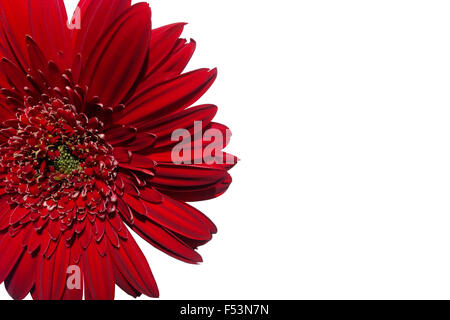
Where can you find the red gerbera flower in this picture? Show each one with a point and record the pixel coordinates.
(87, 117)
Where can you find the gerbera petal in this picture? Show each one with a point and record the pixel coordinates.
(108, 74)
(185, 176)
(95, 17)
(162, 42)
(21, 279)
(75, 293)
(11, 249)
(15, 77)
(142, 142)
(151, 195)
(15, 24)
(50, 283)
(18, 214)
(175, 63)
(200, 193)
(140, 161)
(98, 275)
(123, 283)
(171, 216)
(48, 27)
(164, 127)
(37, 57)
(35, 18)
(5, 113)
(112, 235)
(5, 213)
(164, 241)
(194, 244)
(131, 263)
(199, 215)
(179, 59)
(119, 134)
(163, 148)
(173, 95)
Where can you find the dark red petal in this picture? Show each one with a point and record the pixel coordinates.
(140, 170)
(228, 161)
(125, 211)
(112, 235)
(164, 241)
(21, 279)
(16, 78)
(173, 217)
(38, 59)
(162, 42)
(119, 134)
(75, 252)
(86, 236)
(34, 241)
(123, 283)
(5, 213)
(11, 249)
(179, 59)
(206, 221)
(186, 176)
(73, 293)
(15, 24)
(176, 61)
(137, 162)
(99, 229)
(194, 244)
(197, 194)
(225, 134)
(173, 95)
(51, 273)
(6, 113)
(162, 149)
(98, 275)
(131, 263)
(18, 214)
(142, 142)
(96, 16)
(101, 247)
(110, 75)
(48, 27)
(35, 18)
(165, 126)
(151, 195)
(134, 203)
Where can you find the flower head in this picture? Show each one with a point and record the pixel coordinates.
(86, 121)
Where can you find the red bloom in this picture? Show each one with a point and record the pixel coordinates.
(86, 118)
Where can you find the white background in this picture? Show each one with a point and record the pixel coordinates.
(340, 112)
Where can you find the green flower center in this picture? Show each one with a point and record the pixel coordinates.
(66, 163)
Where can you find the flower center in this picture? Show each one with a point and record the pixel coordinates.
(66, 163)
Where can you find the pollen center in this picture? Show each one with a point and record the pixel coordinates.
(66, 162)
